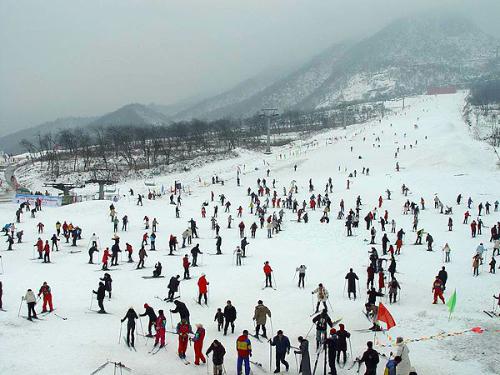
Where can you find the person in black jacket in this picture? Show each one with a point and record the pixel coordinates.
(244, 244)
(218, 357)
(370, 358)
(130, 316)
(173, 287)
(101, 293)
(332, 345)
(183, 311)
(108, 282)
(443, 275)
(150, 312)
(342, 336)
(115, 249)
(351, 278)
(229, 316)
(194, 253)
(92, 250)
(322, 322)
(282, 344)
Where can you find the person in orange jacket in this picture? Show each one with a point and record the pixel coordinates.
(202, 288)
(268, 271)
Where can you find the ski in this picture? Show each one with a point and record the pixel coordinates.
(201, 304)
(491, 314)
(256, 338)
(272, 287)
(258, 365)
(62, 317)
(46, 312)
(153, 277)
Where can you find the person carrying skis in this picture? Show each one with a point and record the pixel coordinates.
(302, 274)
(305, 361)
(218, 351)
(342, 336)
(282, 344)
(101, 293)
(30, 299)
(229, 316)
(244, 349)
(173, 287)
(185, 265)
(351, 278)
(150, 313)
(332, 345)
(268, 271)
(322, 296)
(183, 330)
(393, 290)
(202, 288)
(47, 297)
(198, 338)
(437, 288)
(130, 316)
(322, 321)
(107, 283)
(160, 324)
(181, 308)
(371, 359)
(260, 316)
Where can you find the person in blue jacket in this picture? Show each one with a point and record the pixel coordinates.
(282, 344)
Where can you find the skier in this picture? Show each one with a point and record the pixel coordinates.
(370, 271)
(182, 309)
(437, 288)
(47, 297)
(351, 278)
(46, 252)
(92, 250)
(244, 244)
(492, 264)
(157, 270)
(260, 316)
(305, 362)
(443, 276)
(101, 292)
(142, 255)
(185, 265)
(107, 283)
(370, 358)
(237, 252)
(219, 318)
(476, 261)
(115, 249)
(268, 271)
(218, 244)
(54, 241)
(342, 335)
(447, 251)
(183, 330)
(150, 313)
(322, 321)
(282, 344)
(160, 324)
(302, 274)
(173, 287)
(39, 248)
(130, 316)
(195, 251)
(30, 299)
(402, 351)
(332, 345)
(218, 356)
(229, 316)
(244, 349)
(198, 338)
(393, 290)
(322, 296)
(202, 289)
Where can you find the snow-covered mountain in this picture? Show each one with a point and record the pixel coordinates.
(132, 114)
(405, 57)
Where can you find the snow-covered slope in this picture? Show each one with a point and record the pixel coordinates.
(443, 159)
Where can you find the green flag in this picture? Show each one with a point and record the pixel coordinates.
(452, 302)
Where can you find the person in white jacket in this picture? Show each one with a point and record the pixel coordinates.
(403, 367)
(322, 296)
(30, 299)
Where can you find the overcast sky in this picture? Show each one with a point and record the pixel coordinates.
(86, 57)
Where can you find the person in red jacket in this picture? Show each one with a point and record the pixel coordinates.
(183, 330)
(473, 228)
(241, 225)
(198, 338)
(268, 271)
(203, 212)
(105, 259)
(129, 250)
(381, 280)
(202, 288)
(370, 274)
(437, 288)
(160, 323)
(46, 252)
(185, 265)
(39, 248)
(380, 200)
(47, 297)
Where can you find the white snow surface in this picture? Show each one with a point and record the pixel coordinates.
(447, 163)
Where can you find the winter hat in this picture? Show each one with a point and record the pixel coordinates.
(146, 305)
(341, 326)
(332, 331)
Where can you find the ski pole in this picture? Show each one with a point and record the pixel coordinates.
(119, 337)
(91, 300)
(295, 274)
(171, 320)
(275, 284)
(350, 347)
(312, 325)
(20, 305)
(345, 283)
(270, 356)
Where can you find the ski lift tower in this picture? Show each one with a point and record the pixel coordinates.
(269, 113)
(101, 180)
(65, 188)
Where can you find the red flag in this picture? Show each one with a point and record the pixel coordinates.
(385, 316)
